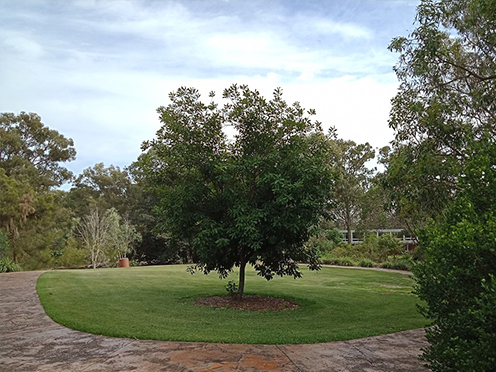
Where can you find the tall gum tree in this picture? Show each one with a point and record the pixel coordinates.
(250, 200)
(348, 160)
(447, 99)
(30, 167)
(32, 152)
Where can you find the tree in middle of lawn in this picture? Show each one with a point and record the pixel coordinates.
(252, 199)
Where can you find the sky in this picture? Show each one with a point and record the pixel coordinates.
(96, 71)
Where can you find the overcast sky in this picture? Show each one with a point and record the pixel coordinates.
(96, 71)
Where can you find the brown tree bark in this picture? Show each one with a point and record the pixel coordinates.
(242, 271)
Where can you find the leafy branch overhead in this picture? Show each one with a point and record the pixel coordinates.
(447, 71)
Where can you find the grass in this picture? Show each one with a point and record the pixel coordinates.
(158, 303)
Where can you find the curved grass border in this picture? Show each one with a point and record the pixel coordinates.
(157, 303)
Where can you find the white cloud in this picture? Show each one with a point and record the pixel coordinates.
(357, 107)
(24, 45)
(307, 74)
(346, 30)
(97, 71)
(228, 41)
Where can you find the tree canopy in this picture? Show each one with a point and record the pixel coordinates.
(447, 98)
(30, 157)
(248, 200)
(31, 152)
(348, 160)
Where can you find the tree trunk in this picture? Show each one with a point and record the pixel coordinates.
(242, 267)
(348, 226)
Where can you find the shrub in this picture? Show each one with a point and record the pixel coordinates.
(398, 264)
(4, 244)
(334, 236)
(358, 251)
(322, 244)
(456, 277)
(340, 261)
(342, 250)
(7, 265)
(326, 240)
(380, 247)
(389, 245)
(71, 256)
(232, 288)
(365, 262)
(370, 243)
(460, 294)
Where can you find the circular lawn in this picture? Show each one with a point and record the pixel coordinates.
(167, 303)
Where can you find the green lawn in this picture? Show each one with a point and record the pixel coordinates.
(158, 303)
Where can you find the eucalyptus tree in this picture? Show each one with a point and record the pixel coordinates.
(30, 168)
(103, 187)
(447, 98)
(32, 152)
(349, 162)
(251, 199)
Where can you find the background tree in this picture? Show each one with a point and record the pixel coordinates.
(16, 205)
(105, 237)
(374, 211)
(251, 200)
(6, 264)
(349, 160)
(94, 231)
(110, 187)
(101, 187)
(447, 71)
(376, 207)
(122, 234)
(30, 157)
(4, 244)
(156, 245)
(31, 152)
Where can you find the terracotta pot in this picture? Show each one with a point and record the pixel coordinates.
(123, 262)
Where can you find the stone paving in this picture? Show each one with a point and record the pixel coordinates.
(31, 341)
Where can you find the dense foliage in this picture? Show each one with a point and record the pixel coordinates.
(457, 276)
(443, 166)
(6, 264)
(31, 152)
(250, 200)
(30, 211)
(447, 71)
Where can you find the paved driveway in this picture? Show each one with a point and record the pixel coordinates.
(30, 341)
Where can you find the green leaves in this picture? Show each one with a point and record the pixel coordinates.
(443, 166)
(32, 152)
(447, 72)
(456, 277)
(352, 179)
(252, 199)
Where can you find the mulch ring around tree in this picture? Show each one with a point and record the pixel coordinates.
(248, 302)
